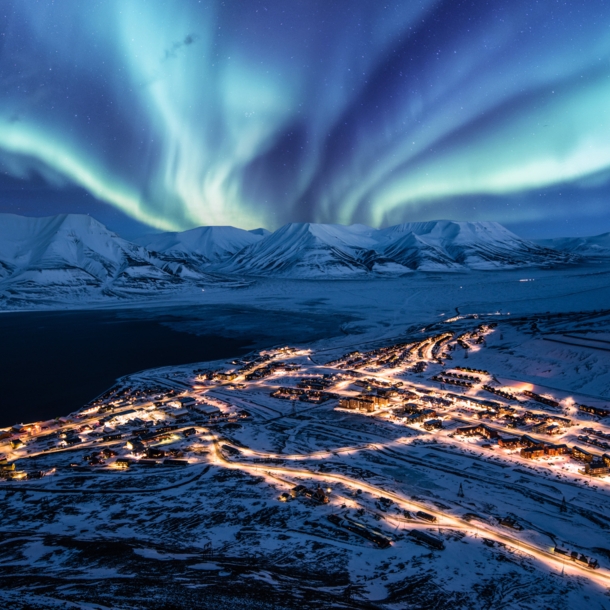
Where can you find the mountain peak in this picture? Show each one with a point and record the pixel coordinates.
(210, 244)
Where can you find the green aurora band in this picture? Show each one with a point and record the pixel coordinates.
(184, 113)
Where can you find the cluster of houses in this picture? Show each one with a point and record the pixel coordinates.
(449, 380)
(267, 370)
(379, 394)
(596, 442)
(595, 465)
(119, 397)
(547, 423)
(364, 402)
(309, 389)
(256, 367)
(427, 416)
(391, 356)
(598, 411)
(20, 436)
(490, 408)
(440, 343)
(477, 335)
(8, 470)
(419, 367)
(531, 448)
(467, 369)
(579, 558)
(424, 411)
(499, 392)
(540, 422)
(382, 387)
(285, 393)
(119, 414)
(96, 458)
(598, 438)
(317, 382)
(143, 448)
(541, 399)
(462, 343)
(316, 396)
(538, 450)
(479, 430)
(435, 345)
(351, 360)
(463, 376)
(400, 353)
(317, 495)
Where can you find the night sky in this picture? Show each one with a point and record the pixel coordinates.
(179, 113)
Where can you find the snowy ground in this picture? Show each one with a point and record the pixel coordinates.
(391, 306)
(214, 533)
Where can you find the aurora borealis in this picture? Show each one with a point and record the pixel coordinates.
(252, 113)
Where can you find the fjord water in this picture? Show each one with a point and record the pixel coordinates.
(54, 362)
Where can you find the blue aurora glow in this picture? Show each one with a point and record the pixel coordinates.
(186, 112)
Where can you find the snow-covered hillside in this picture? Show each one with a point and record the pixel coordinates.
(318, 250)
(189, 253)
(412, 251)
(75, 257)
(476, 245)
(204, 244)
(308, 250)
(597, 246)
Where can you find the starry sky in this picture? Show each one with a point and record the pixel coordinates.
(170, 114)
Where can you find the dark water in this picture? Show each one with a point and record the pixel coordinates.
(51, 363)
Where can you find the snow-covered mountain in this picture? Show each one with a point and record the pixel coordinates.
(308, 250)
(410, 250)
(318, 250)
(260, 231)
(189, 253)
(74, 257)
(597, 246)
(474, 245)
(204, 245)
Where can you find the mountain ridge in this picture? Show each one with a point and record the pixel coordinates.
(314, 250)
(209, 244)
(73, 256)
(76, 257)
(594, 246)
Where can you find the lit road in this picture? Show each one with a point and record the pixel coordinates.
(600, 576)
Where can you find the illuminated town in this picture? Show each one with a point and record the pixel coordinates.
(304, 305)
(330, 443)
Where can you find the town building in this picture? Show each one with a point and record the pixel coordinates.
(420, 417)
(594, 410)
(582, 454)
(433, 424)
(596, 469)
(480, 430)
